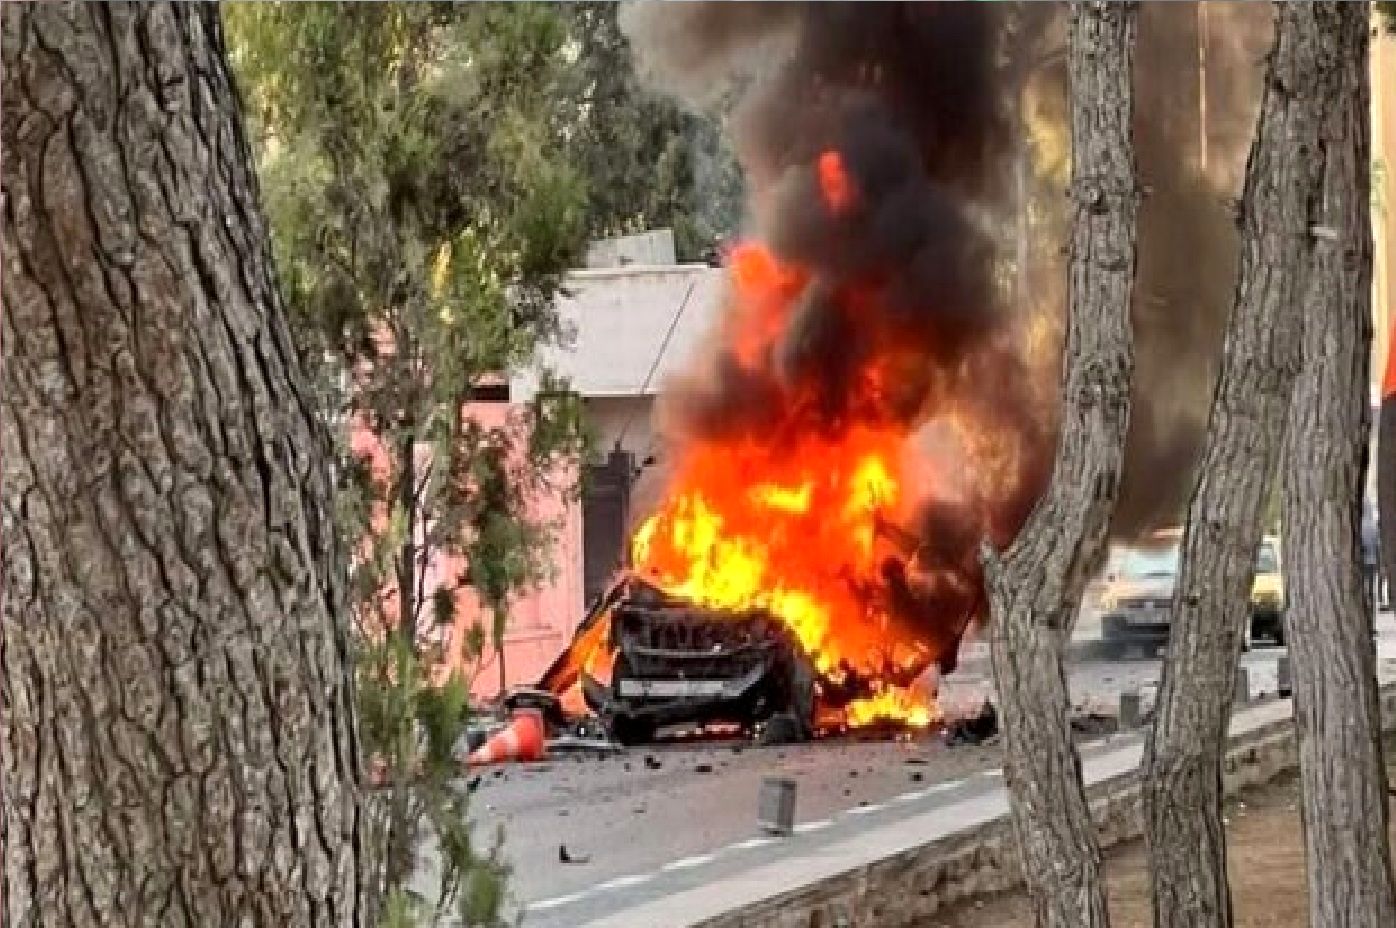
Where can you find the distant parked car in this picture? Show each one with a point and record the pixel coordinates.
(1137, 600)
(1268, 594)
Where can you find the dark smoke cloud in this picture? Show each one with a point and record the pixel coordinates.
(917, 99)
(1187, 236)
(914, 98)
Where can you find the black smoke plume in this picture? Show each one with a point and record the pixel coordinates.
(918, 101)
(1197, 84)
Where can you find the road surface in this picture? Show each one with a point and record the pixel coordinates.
(663, 807)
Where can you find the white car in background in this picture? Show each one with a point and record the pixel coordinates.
(1136, 600)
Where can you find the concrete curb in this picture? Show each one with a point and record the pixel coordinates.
(902, 888)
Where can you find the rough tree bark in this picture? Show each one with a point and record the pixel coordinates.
(1035, 588)
(1386, 466)
(1261, 360)
(177, 729)
(1336, 708)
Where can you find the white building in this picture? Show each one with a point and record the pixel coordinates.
(635, 316)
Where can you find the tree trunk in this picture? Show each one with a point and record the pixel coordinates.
(1336, 709)
(178, 736)
(407, 560)
(500, 618)
(1035, 589)
(1261, 359)
(1386, 468)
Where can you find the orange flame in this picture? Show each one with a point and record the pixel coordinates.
(896, 704)
(804, 520)
(834, 183)
(788, 529)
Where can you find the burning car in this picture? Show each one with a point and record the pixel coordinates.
(671, 662)
(643, 659)
(860, 425)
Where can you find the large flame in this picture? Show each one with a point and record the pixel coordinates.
(856, 522)
(801, 521)
(792, 528)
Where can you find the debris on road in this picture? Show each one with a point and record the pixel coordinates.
(568, 744)
(545, 703)
(568, 858)
(974, 729)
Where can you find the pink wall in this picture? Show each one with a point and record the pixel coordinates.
(540, 622)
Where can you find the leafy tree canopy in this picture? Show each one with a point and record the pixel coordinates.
(649, 163)
(424, 208)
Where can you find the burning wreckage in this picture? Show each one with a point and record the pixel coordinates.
(866, 415)
(643, 659)
(788, 606)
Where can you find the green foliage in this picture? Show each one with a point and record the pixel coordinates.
(424, 209)
(649, 163)
(410, 728)
(431, 171)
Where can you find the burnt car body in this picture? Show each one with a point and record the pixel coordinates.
(643, 659)
(672, 662)
(676, 663)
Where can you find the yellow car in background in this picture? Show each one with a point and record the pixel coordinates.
(1267, 594)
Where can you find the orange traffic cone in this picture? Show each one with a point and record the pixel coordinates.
(521, 741)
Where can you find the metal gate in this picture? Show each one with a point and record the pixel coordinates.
(605, 514)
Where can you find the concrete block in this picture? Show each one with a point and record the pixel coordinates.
(1131, 709)
(1243, 685)
(776, 806)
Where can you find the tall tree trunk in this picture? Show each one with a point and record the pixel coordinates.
(1386, 467)
(178, 736)
(1035, 589)
(1261, 359)
(1336, 709)
(407, 560)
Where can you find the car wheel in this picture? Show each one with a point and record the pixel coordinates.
(783, 728)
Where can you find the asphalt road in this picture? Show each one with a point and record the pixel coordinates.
(662, 806)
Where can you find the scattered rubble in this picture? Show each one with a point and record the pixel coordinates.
(568, 858)
(974, 729)
(566, 744)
